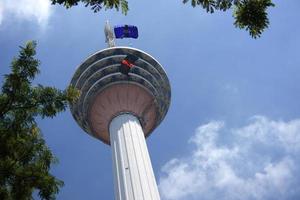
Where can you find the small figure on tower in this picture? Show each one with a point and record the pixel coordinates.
(127, 63)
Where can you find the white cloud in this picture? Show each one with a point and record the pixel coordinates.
(32, 10)
(260, 162)
(230, 88)
(1, 12)
(276, 133)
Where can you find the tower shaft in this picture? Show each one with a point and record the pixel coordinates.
(133, 174)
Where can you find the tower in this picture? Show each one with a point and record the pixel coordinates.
(122, 110)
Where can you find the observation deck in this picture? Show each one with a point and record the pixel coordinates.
(106, 92)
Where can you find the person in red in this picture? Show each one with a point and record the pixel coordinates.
(127, 63)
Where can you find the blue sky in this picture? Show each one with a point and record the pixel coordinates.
(233, 128)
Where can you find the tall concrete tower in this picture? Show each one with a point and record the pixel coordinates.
(122, 110)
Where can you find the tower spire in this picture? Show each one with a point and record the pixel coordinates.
(109, 35)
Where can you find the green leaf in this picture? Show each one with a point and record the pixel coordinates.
(25, 159)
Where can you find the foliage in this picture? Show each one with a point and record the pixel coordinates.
(96, 5)
(25, 159)
(248, 14)
(252, 15)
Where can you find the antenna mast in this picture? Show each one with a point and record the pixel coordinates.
(109, 35)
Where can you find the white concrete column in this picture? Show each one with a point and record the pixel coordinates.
(133, 174)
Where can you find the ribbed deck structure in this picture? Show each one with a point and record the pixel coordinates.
(106, 92)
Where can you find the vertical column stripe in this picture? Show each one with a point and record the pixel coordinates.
(133, 174)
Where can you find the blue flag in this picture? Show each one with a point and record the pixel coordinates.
(126, 31)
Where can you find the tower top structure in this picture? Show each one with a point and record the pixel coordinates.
(124, 95)
(106, 92)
